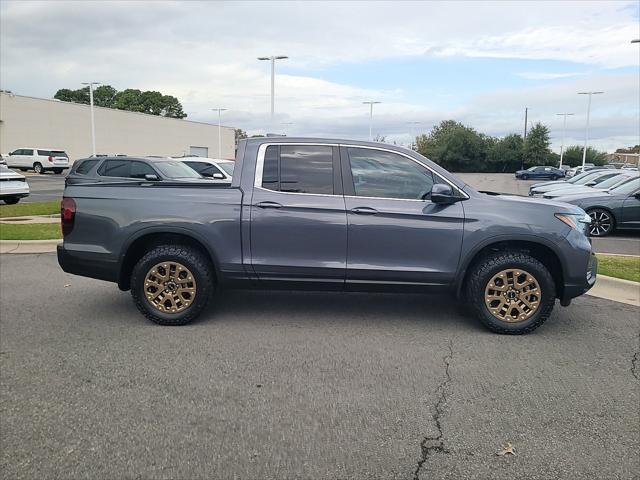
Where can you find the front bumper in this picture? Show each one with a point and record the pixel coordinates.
(572, 290)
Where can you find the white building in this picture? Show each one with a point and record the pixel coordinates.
(38, 122)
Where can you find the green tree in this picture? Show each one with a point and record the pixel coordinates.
(454, 146)
(536, 146)
(573, 156)
(132, 100)
(505, 154)
(240, 134)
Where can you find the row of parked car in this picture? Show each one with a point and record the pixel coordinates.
(553, 173)
(104, 168)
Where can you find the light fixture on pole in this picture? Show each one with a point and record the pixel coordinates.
(413, 133)
(371, 104)
(219, 110)
(273, 59)
(586, 132)
(93, 121)
(564, 129)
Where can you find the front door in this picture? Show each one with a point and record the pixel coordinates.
(298, 219)
(396, 235)
(631, 211)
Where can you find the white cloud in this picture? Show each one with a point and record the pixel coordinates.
(549, 75)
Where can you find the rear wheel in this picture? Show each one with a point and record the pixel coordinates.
(171, 284)
(57, 171)
(525, 177)
(11, 200)
(511, 292)
(554, 177)
(37, 167)
(602, 222)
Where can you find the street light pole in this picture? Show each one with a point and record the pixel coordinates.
(371, 104)
(219, 110)
(564, 129)
(586, 133)
(273, 59)
(413, 133)
(93, 120)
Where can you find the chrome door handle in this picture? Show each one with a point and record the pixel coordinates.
(364, 211)
(268, 205)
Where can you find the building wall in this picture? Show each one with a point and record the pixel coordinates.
(37, 122)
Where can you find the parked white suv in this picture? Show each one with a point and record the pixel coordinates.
(13, 186)
(218, 170)
(38, 159)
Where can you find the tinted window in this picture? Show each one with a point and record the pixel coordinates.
(388, 175)
(84, 166)
(270, 168)
(27, 151)
(140, 169)
(204, 169)
(59, 153)
(626, 188)
(44, 153)
(115, 168)
(306, 169)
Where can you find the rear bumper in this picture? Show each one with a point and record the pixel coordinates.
(16, 194)
(87, 264)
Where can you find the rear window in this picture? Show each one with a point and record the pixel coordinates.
(125, 169)
(85, 166)
(52, 153)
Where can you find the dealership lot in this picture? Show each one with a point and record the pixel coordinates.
(310, 385)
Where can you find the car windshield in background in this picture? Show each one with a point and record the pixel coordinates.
(626, 188)
(227, 167)
(613, 181)
(176, 169)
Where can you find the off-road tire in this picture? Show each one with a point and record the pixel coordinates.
(37, 167)
(484, 270)
(191, 258)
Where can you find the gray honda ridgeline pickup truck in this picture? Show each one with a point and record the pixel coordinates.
(324, 215)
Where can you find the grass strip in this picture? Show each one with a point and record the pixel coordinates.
(25, 209)
(626, 268)
(33, 231)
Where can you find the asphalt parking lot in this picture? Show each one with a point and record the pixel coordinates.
(307, 385)
(43, 188)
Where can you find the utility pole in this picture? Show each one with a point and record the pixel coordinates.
(413, 133)
(93, 120)
(524, 138)
(273, 59)
(219, 110)
(564, 129)
(371, 104)
(586, 130)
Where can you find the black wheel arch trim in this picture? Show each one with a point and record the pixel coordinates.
(164, 229)
(466, 262)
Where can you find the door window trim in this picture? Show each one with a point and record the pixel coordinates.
(257, 183)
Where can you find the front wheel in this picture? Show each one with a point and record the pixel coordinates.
(11, 200)
(57, 171)
(37, 167)
(511, 292)
(525, 177)
(602, 222)
(172, 284)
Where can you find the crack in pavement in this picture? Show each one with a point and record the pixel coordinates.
(634, 363)
(435, 444)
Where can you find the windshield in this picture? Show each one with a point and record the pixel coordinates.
(588, 177)
(227, 167)
(575, 178)
(175, 169)
(613, 181)
(531, 169)
(626, 188)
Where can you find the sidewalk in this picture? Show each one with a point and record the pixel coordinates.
(31, 219)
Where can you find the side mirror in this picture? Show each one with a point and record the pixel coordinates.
(637, 195)
(150, 177)
(443, 194)
(590, 184)
(218, 176)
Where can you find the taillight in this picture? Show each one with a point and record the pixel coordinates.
(50, 158)
(67, 215)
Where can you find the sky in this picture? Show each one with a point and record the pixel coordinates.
(479, 63)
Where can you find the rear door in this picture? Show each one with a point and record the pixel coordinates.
(631, 206)
(396, 235)
(298, 220)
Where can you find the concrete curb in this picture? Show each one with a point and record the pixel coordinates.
(29, 246)
(616, 289)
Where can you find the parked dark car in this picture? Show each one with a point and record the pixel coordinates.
(328, 215)
(619, 208)
(551, 173)
(122, 168)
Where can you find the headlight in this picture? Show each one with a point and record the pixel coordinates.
(579, 221)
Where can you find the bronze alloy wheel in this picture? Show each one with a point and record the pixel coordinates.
(170, 287)
(512, 295)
